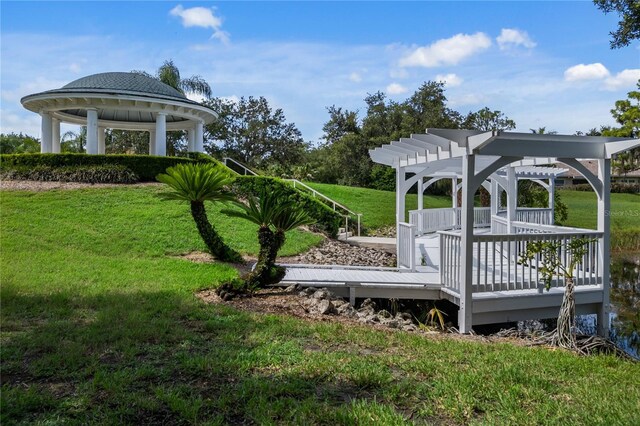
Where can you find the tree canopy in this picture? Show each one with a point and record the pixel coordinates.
(629, 24)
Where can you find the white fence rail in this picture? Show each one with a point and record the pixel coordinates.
(406, 246)
(432, 220)
(497, 265)
(535, 215)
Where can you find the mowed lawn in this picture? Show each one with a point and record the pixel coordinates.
(100, 324)
(378, 207)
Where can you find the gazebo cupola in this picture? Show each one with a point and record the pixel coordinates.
(119, 100)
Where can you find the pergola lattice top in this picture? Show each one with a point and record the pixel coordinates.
(450, 145)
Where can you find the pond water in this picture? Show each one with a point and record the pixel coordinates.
(625, 302)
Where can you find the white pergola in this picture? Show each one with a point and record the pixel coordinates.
(119, 100)
(495, 159)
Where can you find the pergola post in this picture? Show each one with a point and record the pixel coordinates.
(454, 192)
(92, 131)
(420, 193)
(512, 197)
(495, 197)
(45, 132)
(161, 134)
(465, 313)
(199, 137)
(55, 135)
(400, 178)
(101, 140)
(552, 194)
(604, 207)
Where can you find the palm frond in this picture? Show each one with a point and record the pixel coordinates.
(196, 182)
(290, 216)
(197, 85)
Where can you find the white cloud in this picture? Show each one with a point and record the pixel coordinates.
(467, 99)
(74, 67)
(450, 80)
(581, 72)
(355, 77)
(398, 73)
(233, 99)
(201, 17)
(396, 89)
(511, 37)
(625, 78)
(448, 51)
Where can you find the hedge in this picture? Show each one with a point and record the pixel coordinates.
(108, 173)
(616, 187)
(145, 167)
(328, 221)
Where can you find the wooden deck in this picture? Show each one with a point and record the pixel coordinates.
(503, 290)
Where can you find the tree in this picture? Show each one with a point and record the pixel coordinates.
(253, 133)
(487, 120)
(74, 141)
(543, 131)
(558, 258)
(627, 115)
(18, 144)
(629, 24)
(197, 183)
(339, 124)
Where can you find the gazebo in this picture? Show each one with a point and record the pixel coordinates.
(119, 100)
(477, 251)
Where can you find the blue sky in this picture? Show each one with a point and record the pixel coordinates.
(542, 63)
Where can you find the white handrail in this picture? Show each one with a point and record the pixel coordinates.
(245, 169)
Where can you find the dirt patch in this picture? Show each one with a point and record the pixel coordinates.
(38, 186)
(204, 257)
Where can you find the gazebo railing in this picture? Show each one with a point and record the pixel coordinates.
(442, 219)
(497, 262)
(542, 216)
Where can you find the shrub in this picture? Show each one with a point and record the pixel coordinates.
(616, 187)
(145, 167)
(108, 173)
(327, 221)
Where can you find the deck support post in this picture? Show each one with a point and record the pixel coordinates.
(352, 296)
(466, 274)
(604, 207)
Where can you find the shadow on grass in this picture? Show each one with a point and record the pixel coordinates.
(162, 357)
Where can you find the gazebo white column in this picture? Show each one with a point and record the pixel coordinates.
(512, 196)
(101, 140)
(55, 135)
(45, 132)
(161, 134)
(92, 131)
(400, 178)
(604, 208)
(199, 137)
(495, 197)
(466, 230)
(191, 140)
(152, 142)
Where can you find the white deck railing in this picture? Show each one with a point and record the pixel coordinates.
(432, 220)
(534, 215)
(407, 246)
(496, 259)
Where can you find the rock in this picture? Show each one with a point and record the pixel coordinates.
(384, 314)
(392, 323)
(293, 288)
(227, 296)
(409, 327)
(368, 303)
(308, 291)
(325, 307)
(404, 316)
(322, 294)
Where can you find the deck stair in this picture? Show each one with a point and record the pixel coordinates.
(347, 213)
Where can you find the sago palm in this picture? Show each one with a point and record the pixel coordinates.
(261, 211)
(197, 183)
(289, 217)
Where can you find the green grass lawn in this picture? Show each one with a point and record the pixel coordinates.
(100, 325)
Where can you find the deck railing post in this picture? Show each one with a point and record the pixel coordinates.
(465, 313)
(604, 208)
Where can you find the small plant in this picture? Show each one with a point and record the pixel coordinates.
(436, 314)
(550, 253)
